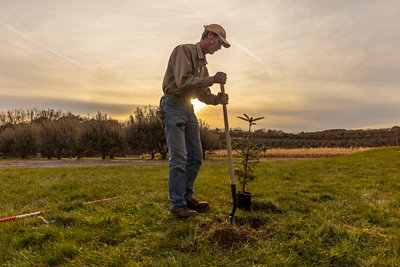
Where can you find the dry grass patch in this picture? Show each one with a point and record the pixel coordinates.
(300, 152)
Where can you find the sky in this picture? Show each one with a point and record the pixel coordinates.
(304, 65)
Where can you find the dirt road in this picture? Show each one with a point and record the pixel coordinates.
(7, 164)
(77, 163)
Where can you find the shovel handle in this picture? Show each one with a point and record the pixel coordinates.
(228, 140)
(230, 160)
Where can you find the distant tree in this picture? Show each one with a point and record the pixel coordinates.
(155, 139)
(77, 146)
(56, 135)
(135, 131)
(25, 140)
(159, 138)
(12, 117)
(47, 138)
(38, 116)
(66, 129)
(209, 138)
(104, 135)
(145, 133)
(3, 121)
(396, 131)
(17, 116)
(7, 140)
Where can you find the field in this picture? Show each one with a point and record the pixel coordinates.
(338, 211)
(300, 152)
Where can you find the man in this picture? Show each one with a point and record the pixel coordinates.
(186, 78)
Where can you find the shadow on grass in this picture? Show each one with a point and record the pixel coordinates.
(253, 222)
(266, 207)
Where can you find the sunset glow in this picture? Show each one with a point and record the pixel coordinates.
(304, 66)
(197, 105)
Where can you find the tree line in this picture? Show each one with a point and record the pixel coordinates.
(56, 134)
(329, 138)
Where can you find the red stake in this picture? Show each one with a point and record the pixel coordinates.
(14, 218)
(38, 213)
(100, 200)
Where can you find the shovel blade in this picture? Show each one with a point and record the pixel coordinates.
(234, 201)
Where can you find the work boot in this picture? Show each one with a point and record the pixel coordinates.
(183, 212)
(198, 206)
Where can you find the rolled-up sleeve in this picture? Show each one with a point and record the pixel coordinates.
(207, 97)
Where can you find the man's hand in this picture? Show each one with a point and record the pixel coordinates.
(222, 99)
(220, 77)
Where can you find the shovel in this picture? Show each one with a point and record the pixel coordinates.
(230, 160)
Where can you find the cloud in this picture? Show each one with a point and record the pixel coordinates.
(338, 112)
(304, 65)
(52, 51)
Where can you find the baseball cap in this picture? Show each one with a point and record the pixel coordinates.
(218, 30)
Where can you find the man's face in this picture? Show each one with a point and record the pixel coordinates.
(215, 43)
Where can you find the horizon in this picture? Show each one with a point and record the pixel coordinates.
(91, 116)
(304, 66)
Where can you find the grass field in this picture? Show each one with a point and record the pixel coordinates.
(341, 211)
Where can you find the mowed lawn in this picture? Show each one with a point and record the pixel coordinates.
(342, 211)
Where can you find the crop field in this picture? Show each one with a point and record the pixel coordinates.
(336, 211)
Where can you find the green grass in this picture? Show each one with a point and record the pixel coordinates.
(341, 211)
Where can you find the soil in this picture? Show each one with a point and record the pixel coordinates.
(227, 235)
(219, 231)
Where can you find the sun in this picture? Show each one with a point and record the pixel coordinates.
(197, 105)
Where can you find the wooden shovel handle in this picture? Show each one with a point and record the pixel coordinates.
(230, 160)
(228, 140)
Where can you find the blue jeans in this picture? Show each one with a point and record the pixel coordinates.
(183, 140)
